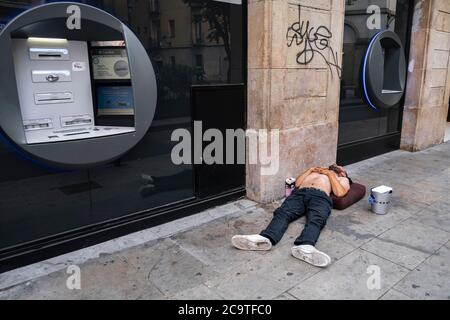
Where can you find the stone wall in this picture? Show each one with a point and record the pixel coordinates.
(428, 87)
(293, 85)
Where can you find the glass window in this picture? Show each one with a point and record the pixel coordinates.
(171, 28)
(198, 22)
(199, 61)
(37, 202)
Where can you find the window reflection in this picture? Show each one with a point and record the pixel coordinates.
(190, 42)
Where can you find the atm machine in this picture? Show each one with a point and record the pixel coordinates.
(74, 97)
(57, 87)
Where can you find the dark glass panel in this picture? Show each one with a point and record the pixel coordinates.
(357, 121)
(189, 43)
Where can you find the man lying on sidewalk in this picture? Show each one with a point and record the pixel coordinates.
(311, 197)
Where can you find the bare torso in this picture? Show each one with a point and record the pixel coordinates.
(317, 181)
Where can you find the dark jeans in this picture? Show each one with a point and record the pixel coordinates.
(313, 203)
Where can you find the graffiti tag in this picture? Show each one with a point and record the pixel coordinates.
(312, 41)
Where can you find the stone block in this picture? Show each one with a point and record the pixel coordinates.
(348, 278)
(400, 251)
(417, 54)
(200, 292)
(430, 280)
(265, 278)
(394, 295)
(436, 215)
(436, 78)
(285, 297)
(422, 15)
(439, 40)
(440, 20)
(211, 244)
(431, 126)
(259, 35)
(259, 92)
(410, 118)
(441, 5)
(304, 83)
(437, 59)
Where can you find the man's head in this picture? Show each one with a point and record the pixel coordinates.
(340, 171)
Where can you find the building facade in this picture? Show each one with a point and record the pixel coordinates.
(291, 66)
(317, 102)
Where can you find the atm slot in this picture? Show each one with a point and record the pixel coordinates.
(39, 124)
(49, 54)
(75, 134)
(78, 122)
(53, 97)
(44, 76)
(391, 91)
(69, 130)
(84, 120)
(50, 99)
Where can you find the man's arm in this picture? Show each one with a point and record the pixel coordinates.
(302, 178)
(339, 186)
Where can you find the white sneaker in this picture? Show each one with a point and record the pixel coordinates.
(311, 255)
(251, 243)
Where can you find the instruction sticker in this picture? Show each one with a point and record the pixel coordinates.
(78, 66)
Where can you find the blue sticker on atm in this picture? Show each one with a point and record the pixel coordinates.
(114, 100)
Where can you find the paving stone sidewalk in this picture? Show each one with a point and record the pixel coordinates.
(192, 258)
